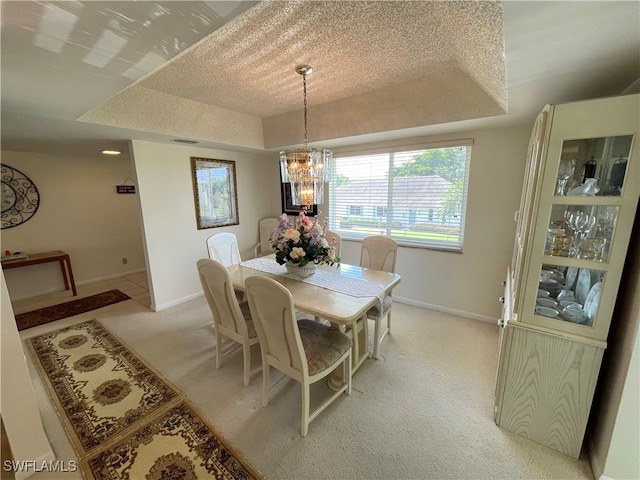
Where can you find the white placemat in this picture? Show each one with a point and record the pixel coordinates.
(330, 280)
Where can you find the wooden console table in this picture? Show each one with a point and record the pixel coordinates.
(37, 258)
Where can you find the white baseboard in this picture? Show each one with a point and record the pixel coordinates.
(173, 303)
(408, 301)
(40, 292)
(452, 311)
(109, 277)
(78, 284)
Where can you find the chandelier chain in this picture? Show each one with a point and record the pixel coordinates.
(304, 92)
(306, 169)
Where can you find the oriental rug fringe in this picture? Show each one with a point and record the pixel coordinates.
(124, 420)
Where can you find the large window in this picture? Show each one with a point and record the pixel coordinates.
(416, 197)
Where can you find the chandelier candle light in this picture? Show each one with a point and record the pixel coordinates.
(307, 169)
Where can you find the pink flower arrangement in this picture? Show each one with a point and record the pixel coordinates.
(302, 241)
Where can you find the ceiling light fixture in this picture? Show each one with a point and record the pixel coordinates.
(111, 152)
(307, 169)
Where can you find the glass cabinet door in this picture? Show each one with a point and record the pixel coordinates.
(525, 211)
(586, 207)
(593, 166)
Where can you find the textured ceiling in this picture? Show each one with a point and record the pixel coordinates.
(378, 66)
(62, 59)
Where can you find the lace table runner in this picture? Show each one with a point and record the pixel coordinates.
(354, 287)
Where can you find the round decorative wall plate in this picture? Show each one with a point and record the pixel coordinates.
(20, 198)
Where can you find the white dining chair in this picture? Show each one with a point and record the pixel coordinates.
(265, 228)
(231, 319)
(379, 253)
(223, 248)
(304, 350)
(334, 239)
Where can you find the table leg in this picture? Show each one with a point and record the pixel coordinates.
(71, 279)
(358, 333)
(63, 269)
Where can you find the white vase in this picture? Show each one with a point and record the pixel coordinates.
(304, 272)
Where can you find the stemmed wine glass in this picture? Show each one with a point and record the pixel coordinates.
(581, 224)
(565, 172)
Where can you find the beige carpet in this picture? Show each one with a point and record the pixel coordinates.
(424, 410)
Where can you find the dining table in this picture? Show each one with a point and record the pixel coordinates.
(341, 294)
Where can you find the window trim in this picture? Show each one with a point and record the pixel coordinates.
(391, 150)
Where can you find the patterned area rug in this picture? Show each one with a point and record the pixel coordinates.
(124, 420)
(68, 309)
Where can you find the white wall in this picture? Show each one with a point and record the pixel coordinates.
(79, 213)
(173, 242)
(613, 439)
(470, 283)
(623, 459)
(20, 413)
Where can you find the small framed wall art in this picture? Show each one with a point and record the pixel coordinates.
(215, 191)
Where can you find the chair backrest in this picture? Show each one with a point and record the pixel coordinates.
(265, 228)
(221, 296)
(223, 248)
(330, 235)
(273, 315)
(379, 253)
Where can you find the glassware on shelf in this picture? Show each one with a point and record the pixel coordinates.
(580, 224)
(589, 187)
(552, 231)
(590, 227)
(561, 246)
(565, 172)
(605, 224)
(592, 249)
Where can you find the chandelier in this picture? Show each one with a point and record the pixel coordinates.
(307, 169)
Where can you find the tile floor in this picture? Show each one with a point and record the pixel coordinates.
(135, 285)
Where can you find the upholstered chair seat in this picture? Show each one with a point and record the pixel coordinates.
(246, 313)
(323, 345)
(386, 306)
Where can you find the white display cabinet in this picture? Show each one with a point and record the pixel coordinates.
(578, 205)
